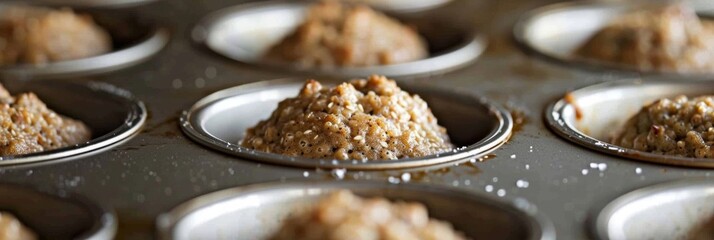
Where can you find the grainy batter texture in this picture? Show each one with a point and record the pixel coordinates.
(341, 34)
(36, 35)
(369, 119)
(342, 216)
(656, 38)
(12, 229)
(28, 126)
(678, 126)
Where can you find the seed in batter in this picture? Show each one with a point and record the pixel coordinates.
(324, 123)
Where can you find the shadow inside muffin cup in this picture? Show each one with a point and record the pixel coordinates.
(554, 32)
(672, 210)
(245, 33)
(593, 115)
(257, 211)
(134, 40)
(111, 113)
(57, 214)
(219, 121)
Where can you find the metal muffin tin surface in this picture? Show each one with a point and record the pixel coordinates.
(161, 168)
(245, 32)
(261, 209)
(672, 210)
(113, 115)
(221, 119)
(591, 116)
(57, 214)
(133, 42)
(555, 32)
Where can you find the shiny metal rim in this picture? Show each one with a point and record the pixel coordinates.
(523, 42)
(114, 60)
(493, 140)
(132, 124)
(600, 226)
(459, 56)
(565, 130)
(542, 228)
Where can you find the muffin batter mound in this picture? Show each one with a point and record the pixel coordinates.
(678, 126)
(342, 215)
(369, 119)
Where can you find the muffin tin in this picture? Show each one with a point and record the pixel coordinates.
(113, 115)
(669, 210)
(47, 213)
(134, 41)
(591, 116)
(161, 168)
(220, 120)
(245, 32)
(261, 209)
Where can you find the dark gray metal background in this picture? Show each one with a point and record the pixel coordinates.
(161, 168)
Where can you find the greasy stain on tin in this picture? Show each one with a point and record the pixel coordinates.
(571, 100)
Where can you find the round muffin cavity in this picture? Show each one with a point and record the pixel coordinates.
(37, 35)
(655, 38)
(337, 34)
(364, 120)
(28, 126)
(678, 126)
(342, 215)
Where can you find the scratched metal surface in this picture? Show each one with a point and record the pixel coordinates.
(160, 168)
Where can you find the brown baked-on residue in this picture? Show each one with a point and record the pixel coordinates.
(342, 34)
(342, 215)
(679, 126)
(370, 119)
(655, 38)
(37, 35)
(28, 126)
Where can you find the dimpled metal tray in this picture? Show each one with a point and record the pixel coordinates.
(161, 168)
(113, 115)
(221, 119)
(57, 214)
(133, 42)
(262, 208)
(591, 116)
(245, 32)
(672, 210)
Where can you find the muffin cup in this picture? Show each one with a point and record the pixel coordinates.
(591, 116)
(57, 214)
(245, 32)
(220, 120)
(133, 43)
(554, 32)
(664, 211)
(113, 115)
(256, 211)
